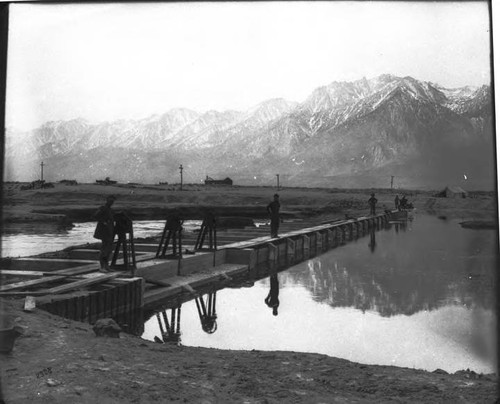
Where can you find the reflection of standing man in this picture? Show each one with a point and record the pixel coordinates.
(274, 211)
(105, 232)
(372, 202)
(372, 240)
(272, 298)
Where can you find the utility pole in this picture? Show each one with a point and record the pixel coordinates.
(41, 174)
(181, 168)
(392, 180)
(278, 180)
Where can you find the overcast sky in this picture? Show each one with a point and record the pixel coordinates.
(112, 61)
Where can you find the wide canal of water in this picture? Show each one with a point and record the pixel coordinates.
(419, 294)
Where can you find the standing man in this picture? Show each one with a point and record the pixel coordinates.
(373, 203)
(104, 231)
(396, 202)
(274, 212)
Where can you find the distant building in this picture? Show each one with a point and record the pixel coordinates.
(106, 181)
(225, 181)
(68, 182)
(453, 192)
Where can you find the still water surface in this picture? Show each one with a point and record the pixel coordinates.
(419, 295)
(26, 239)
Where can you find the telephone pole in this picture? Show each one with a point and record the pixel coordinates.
(41, 173)
(392, 180)
(278, 180)
(181, 168)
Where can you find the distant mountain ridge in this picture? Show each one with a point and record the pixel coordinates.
(344, 134)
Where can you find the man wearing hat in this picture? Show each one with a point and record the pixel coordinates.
(274, 212)
(104, 231)
(372, 202)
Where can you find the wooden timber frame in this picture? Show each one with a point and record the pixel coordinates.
(114, 294)
(262, 257)
(172, 232)
(296, 246)
(120, 297)
(243, 257)
(208, 228)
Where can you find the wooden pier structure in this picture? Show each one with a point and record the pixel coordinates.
(73, 287)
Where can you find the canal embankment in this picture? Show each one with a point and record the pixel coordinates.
(73, 365)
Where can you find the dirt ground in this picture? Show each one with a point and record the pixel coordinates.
(66, 204)
(62, 361)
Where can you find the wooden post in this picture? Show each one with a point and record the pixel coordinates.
(306, 247)
(290, 246)
(319, 242)
(331, 238)
(273, 254)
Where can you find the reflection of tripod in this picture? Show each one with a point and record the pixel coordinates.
(272, 300)
(207, 314)
(172, 330)
(172, 231)
(124, 228)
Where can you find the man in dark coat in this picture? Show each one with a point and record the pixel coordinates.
(104, 231)
(274, 212)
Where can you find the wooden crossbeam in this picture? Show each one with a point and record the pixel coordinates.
(12, 272)
(82, 283)
(33, 282)
(76, 270)
(6, 290)
(69, 260)
(68, 287)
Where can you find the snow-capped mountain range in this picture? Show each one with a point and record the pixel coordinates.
(344, 134)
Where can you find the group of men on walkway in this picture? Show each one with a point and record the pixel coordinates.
(105, 223)
(105, 231)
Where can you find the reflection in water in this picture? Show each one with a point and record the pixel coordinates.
(435, 265)
(373, 243)
(207, 313)
(272, 300)
(170, 331)
(25, 239)
(423, 298)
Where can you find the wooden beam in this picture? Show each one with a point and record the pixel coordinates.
(75, 271)
(13, 272)
(33, 282)
(82, 283)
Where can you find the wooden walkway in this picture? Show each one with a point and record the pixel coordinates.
(56, 281)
